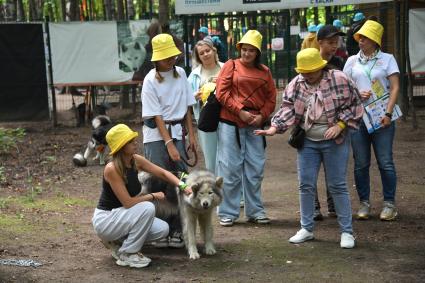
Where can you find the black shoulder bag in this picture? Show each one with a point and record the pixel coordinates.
(297, 136)
(210, 112)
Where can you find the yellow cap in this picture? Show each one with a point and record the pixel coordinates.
(118, 136)
(163, 47)
(309, 60)
(252, 37)
(372, 30)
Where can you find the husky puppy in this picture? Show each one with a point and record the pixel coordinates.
(101, 125)
(196, 207)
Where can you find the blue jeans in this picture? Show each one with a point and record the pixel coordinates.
(335, 159)
(240, 167)
(382, 142)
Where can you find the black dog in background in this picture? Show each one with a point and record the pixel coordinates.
(101, 125)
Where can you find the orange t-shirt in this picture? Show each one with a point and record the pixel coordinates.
(242, 87)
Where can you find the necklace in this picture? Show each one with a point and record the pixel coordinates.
(363, 59)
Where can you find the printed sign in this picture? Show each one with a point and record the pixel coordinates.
(277, 43)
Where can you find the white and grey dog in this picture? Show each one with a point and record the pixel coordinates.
(100, 126)
(196, 207)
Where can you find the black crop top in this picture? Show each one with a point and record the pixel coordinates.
(109, 201)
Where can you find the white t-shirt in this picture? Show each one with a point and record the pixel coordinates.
(169, 99)
(380, 68)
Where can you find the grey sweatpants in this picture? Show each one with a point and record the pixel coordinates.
(134, 225)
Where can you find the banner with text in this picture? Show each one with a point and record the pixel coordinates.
(222, 6)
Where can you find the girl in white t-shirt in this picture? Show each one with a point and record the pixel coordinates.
(166, 98)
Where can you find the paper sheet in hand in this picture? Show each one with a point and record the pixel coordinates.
(375, 111)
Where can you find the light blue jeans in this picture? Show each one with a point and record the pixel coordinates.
(334, 158)
(382, 142)
(240, 167)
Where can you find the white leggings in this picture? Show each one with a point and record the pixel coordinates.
(134, 225)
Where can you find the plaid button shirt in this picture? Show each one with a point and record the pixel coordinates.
(341, 101)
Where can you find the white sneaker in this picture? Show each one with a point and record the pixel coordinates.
(347, 241)
(113, 246)
(364, 210)
(133, 260)
(301, 236)
(226, 222)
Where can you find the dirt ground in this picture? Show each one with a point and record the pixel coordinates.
(46, 206)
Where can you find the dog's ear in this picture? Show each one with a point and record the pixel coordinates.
(195, 187)
(219, 182)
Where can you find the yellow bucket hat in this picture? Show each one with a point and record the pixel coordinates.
(372, 30)
(309, 60)
(118, 136)
(252, 37)
(163, 47)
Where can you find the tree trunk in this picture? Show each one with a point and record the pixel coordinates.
(9, 11)
(63, 10)
(74, 10)
(131, 12)
(20, 14)
(163, 13)
(32, 15)
(120, 9)
(109, 10)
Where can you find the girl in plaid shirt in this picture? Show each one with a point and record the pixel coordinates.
(325, 103)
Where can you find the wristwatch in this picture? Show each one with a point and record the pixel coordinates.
(182, 185)
(389, 115)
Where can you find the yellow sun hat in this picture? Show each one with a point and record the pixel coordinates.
(372, 30)
(163, 47)
(118, 136)
(309, 60)
(252, 37)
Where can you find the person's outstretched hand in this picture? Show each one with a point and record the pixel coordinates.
(269, 132)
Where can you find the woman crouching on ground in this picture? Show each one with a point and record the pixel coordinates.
(124, 219)
(323, 102)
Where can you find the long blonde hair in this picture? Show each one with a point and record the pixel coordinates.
(118, 160)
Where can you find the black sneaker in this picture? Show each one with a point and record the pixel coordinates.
(176, 240)
(317, 215)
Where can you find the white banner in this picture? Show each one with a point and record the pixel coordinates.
(417, 40)
(185, 7)
(94, 52)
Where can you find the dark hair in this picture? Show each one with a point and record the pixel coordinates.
(373, 18)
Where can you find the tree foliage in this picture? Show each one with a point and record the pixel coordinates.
(84, 10)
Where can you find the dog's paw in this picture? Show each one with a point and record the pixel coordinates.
(194, 255)
(210, 250)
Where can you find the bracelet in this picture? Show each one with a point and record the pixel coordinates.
(342, 125)
(167, 142)
(153, 197)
